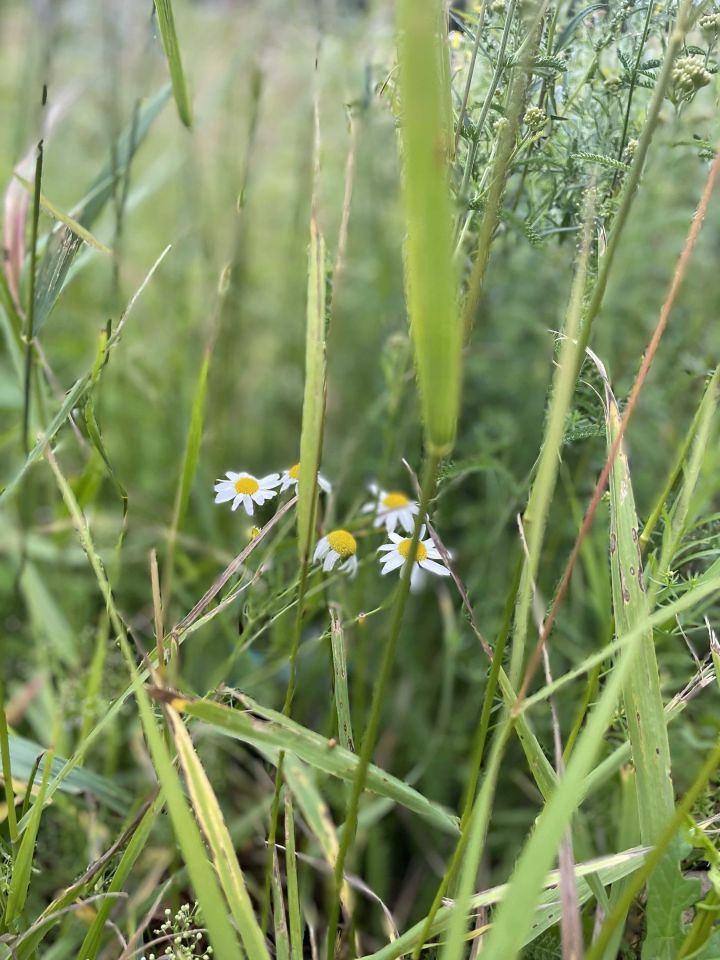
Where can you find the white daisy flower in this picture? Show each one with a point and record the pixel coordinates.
(337, 545)
(426, 558)
(291, 476)
(246, 489)
(391, 508)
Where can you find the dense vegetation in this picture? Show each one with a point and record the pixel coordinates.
(465, 265)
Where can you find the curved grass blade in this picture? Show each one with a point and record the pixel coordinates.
(23, 757)
(277, 731)
(606, 869)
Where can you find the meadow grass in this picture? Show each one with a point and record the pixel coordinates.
(334, 248)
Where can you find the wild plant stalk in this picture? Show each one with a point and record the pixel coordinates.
(374, 716)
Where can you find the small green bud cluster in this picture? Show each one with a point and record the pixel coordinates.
(689, 74)
(535, 118)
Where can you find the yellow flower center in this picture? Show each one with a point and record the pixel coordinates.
(404, 550)
(247, 485)
(294, 472)
(395, 500)
(342, 542)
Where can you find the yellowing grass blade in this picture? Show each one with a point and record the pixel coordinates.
(209, 815)
(57, 214)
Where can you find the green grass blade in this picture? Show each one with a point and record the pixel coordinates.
(6, 767)
(22, 864)
(209, 815)
(166, 22)
(340, 684)
(72, 398)
(281, 733)
(282, 940)
(606, 869)
(317, 816)
(202, 877)
(669, 894)
(64, 244)
(680, 515)
(24, 754)
(93, 938)
(293, 897)
(314, 396)
(429, 273)
(47, 618)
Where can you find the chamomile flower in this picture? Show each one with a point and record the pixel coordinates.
(338, 545)
(391, 508)
(246, 489)
(426, 558)
(291, 476)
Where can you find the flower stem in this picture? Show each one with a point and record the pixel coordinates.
(373, 723)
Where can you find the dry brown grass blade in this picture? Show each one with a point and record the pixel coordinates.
(675, 284)
(230, 571)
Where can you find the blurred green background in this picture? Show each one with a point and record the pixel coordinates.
(232, 197)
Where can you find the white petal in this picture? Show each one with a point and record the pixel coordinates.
(248, 504)
(232, 476)
(417, 579)
(324, 484)
(375, 490)
(379, 521)
(435, 567)
(222, 496)
(387, 546)
(321, 549)
(368, 508)
(392, 562)
(406, 520)
(391, 521)
(236, 502)
(330, 560)
(270, 481)
(396, 538)
(350, 566)
(422, 533)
